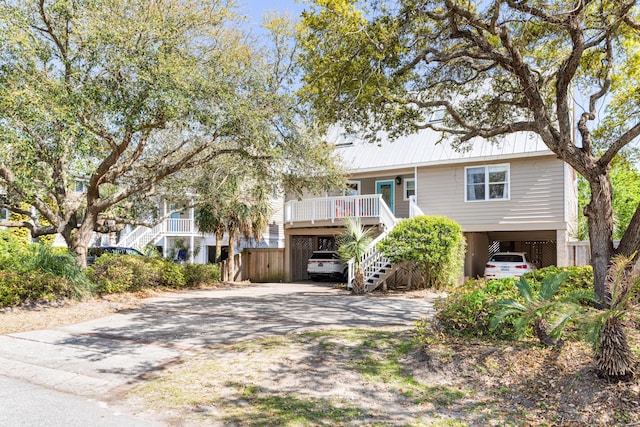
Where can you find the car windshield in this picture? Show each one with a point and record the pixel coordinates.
(507, 258)
(324, 255)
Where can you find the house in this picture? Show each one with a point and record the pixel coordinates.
(513, 194)
(178, 230)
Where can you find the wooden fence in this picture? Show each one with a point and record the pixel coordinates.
(256, 265)
(580, 252)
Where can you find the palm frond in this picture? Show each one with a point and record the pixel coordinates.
(560, 320)
(354, 241)
(524, 288)
(551, 284)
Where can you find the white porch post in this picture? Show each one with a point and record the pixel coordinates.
(192, 248)
(192, 230)
(562, 254)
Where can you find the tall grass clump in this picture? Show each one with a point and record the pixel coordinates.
(31, 271)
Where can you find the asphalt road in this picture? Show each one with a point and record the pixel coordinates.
(71, 375)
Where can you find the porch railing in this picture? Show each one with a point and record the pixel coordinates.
(141, 235)
(334, 208)
(414, 209)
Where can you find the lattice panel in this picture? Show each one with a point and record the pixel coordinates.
(494, 247)
(543, 253)
(327, 243)
(301, 250)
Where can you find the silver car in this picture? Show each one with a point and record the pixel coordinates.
(507, 264)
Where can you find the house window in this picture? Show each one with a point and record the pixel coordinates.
(487, 183)
(352, 188)
(436, 116)
(409, 188)
(4, 214)
(80, 186)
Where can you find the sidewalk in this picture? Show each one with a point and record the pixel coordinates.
(96, 358)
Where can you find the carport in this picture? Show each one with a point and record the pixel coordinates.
(541, 246)
(300, 248)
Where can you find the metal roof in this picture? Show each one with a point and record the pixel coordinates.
(427, 148)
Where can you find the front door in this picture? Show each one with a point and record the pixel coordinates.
(387, 189)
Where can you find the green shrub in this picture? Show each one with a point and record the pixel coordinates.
(468, 309)
(11, 247)
(16, 256)
(434, 243)
(128, 273)
(200, 274)
(172, 274)
(17, 287)
(579, 278)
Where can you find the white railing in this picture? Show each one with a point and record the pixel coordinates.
(130, 239)
(141, 235)
(335, 208)
(388, 218)
(179, 226)
(373, 260)
(414, 209)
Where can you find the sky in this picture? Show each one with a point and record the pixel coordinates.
(255, 9)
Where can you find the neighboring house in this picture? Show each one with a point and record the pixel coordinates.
(514, 195)
(179, 231)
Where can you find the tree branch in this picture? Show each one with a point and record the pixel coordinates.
(619, 144)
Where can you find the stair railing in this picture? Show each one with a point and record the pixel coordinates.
(142, 235)
(373, 260)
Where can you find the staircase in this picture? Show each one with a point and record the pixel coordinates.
(142, 235)
(375, 265)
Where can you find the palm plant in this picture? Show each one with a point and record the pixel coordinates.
(246, 216)
(606, 330)
(209, 218)
(353, 244)
(537, 308)
(240, 208)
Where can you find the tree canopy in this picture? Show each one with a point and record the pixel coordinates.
(565, 71)
(121, 95)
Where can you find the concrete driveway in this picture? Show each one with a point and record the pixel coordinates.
(96, 359)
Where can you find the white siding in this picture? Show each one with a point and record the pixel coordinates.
(537, 199)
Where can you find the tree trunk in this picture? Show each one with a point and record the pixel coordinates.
(78, 239)
(231, 266)
(219, 237)
(599, 213)
(357, 286)
(540, 327)
(614, 359)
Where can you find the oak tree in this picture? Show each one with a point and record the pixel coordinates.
(101, 101)
(564, 70)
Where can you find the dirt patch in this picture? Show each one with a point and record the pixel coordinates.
(382, 378)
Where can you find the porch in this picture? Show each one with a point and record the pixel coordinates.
(332, 211)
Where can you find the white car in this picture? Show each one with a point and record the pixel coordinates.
(507, 264)
(326, 265)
